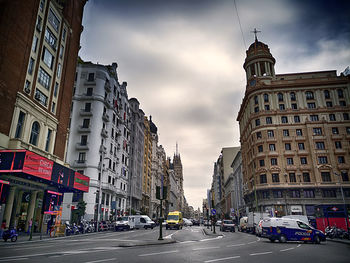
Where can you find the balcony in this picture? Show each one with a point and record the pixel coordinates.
(84, 112)
(103, 149)
(90, 82)
(289, 152)
(300, 138)
(105, 117)
(337, 136)
(80, 146)
(80, 164)
(81, 128)
(104, 133)
(272, 153)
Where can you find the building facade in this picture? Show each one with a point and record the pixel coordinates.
(99, 138)
(295, 131)
(38, 55)
(137, 142)
(147, 169)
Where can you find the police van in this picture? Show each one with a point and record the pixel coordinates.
(287, 229)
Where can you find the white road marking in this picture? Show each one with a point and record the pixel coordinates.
(31, 247)
(236, 245)
(189, 241)
(220, 259)
(252, 242)
(210, 239)
(7, 260)
(203, 248)
(299, 245)
(159, 253)
(261, 253)
(102, 260)
(287, 249)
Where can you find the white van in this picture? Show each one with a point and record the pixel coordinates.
(285, 229)
(243, 224)
(143, 221)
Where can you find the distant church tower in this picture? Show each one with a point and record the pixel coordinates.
(179, 176)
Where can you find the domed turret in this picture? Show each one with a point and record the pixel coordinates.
(259, 61)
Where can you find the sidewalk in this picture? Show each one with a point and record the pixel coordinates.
(209, 232)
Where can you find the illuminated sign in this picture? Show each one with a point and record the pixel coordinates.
(37, 166)
(81, 182)
(11, 161)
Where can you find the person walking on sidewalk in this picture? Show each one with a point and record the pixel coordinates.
(30, 223)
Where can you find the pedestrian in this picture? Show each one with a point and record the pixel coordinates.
(30, 223)
(3, 227)
(49, 225)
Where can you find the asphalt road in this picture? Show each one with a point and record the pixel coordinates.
(192, 245)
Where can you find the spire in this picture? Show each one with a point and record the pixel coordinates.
(255, 33)
(177, 152)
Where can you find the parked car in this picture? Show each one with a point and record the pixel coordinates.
(218, 223)
(187, 222)
(227, 225)
(195, 222)
(122, 223)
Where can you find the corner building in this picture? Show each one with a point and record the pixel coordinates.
(295, 138)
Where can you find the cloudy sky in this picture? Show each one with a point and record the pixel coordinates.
(183, 62)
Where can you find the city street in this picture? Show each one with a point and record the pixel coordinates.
(192, 245)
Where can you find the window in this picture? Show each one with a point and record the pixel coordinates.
(292, 178)
(265, 194)
(335, 130)
(263, 179)
(337, 144)
(47, 57)
(346, 116)
(31, 66)
(292, 96)
(266, 97)
(59, 70)
(256, 109)
(327, 94)
(87, 107)
(258, 135)
(261, 163)
(267, 107)
(270, 134)
(295, 194)
(61, 51)
(294, 106)
(299, 132)
(260, 148)
(42, 4)
(303, 160)
(272, 147)
(317, 131)
(342, 103)
(344, 176)
(34, 135)
(55, 91)
(86, 123)
(281, 107)
(20, 124)
(309, 194)
(38, 23)
(284, 119)
(50, 38)
(286, 133)
(320, 146)
(91, 77)
(35, 43)
(257, 122)
(332, 117)
(48, 140)
(301, 146)
(268, 120)
(340, 93)
(53, 107)
(309, 95)
(341, 159)
(44, 78)
(54, 21)
(277, 194)
(64, 34)
(83, 140)
(306, 177)
(41, 97)
(347, 130)
(287, 147)
(256, 100)
(329, 193)
(313, 117)
(273, 161)
(89, 91)
(311, 105)
(280, 96)
(296, 119)
(329, 104)
(322, 160)
(326, 177)
(290, 161)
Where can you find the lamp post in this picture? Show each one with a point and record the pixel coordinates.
(344, 204)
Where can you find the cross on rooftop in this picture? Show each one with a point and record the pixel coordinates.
(255, 33)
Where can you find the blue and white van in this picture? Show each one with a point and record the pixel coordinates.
(287, 229)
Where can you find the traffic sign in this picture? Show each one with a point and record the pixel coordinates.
(213, 211)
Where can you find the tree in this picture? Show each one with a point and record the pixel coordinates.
(78, 213)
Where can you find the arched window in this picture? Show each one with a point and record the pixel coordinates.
(266, 97)
(256, 100)
(34, 135)
(292, 96)
(280, 96)
(309, 95)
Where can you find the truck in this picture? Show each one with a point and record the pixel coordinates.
(254, 219)
(174, 220)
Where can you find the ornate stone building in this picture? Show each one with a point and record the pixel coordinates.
(295, 133)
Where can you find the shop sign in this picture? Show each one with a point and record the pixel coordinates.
(81, 182)
(37, 166)
(296, 209)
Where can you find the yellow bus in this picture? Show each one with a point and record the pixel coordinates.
(174, 220)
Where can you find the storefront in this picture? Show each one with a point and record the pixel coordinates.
(31, 186)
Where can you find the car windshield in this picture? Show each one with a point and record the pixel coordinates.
(125, 218)
(228, 222)
(173, 217)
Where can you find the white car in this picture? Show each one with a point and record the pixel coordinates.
(187, 222)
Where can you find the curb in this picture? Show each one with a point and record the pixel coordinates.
(208, 233)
